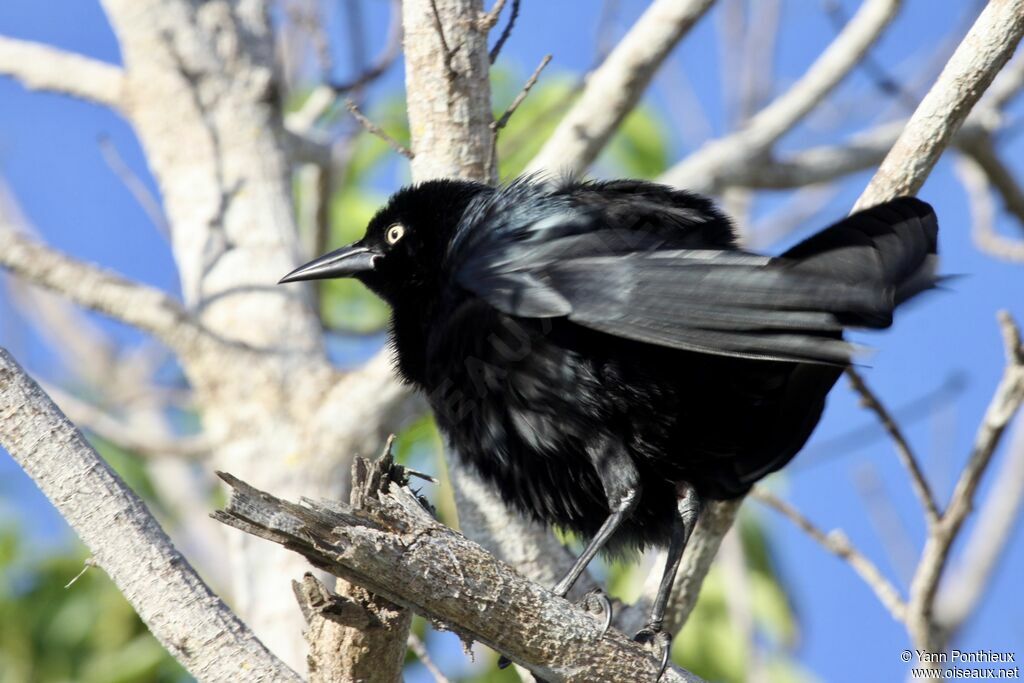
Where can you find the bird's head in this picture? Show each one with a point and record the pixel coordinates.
(405, 243)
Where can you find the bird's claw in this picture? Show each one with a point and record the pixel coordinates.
(653, 636)
(596, 601)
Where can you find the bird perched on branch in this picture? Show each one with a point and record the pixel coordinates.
(606, 357)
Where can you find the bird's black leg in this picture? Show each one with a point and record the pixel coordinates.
(621, 483)
(688, 507)
(620, 510)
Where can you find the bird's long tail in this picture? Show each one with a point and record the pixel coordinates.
(890, 249)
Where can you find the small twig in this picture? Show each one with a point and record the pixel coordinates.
(89, 562)
(1007, 400)
(980, 147)
(496, 50)
(875, 72)
(886, 520)
(384, 61)
(420, 649)
(503, 120)
(374, 129)
(309, 19)
(489, 19)
(449, 54)
(837, 543)
(903, 450)
(138, 189)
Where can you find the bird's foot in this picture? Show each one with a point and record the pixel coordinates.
(596, 602)
(653, 637)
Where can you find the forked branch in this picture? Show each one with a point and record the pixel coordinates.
(391, 544)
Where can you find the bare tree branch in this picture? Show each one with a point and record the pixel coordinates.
(150, 204)
(699, 172)
(391, 545)
(839, 545)
(1004, 405)
(615, 87)
(206, 107)
(41, 67)
(109, 428)
(190, 621)
(988, 45)
(147, 308)
(979, 146)
(983, 213)
(906, 454)
(867, 149)
(995, 522)
(813, 165)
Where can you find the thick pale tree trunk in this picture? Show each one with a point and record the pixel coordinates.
(202, 98)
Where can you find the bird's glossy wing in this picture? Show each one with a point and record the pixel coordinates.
(713, 303)
(643, 287)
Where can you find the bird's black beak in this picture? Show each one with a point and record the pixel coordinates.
(345, 262)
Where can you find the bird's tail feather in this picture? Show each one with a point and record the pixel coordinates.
(891, 248)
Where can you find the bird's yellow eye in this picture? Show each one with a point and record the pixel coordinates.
(395, 233)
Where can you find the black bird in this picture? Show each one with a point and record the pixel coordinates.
(606, 357)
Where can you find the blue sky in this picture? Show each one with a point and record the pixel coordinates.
(50, 158)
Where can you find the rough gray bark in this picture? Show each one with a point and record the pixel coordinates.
(365, 629)
(188, 619)
(448, 90)
(393, 546)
